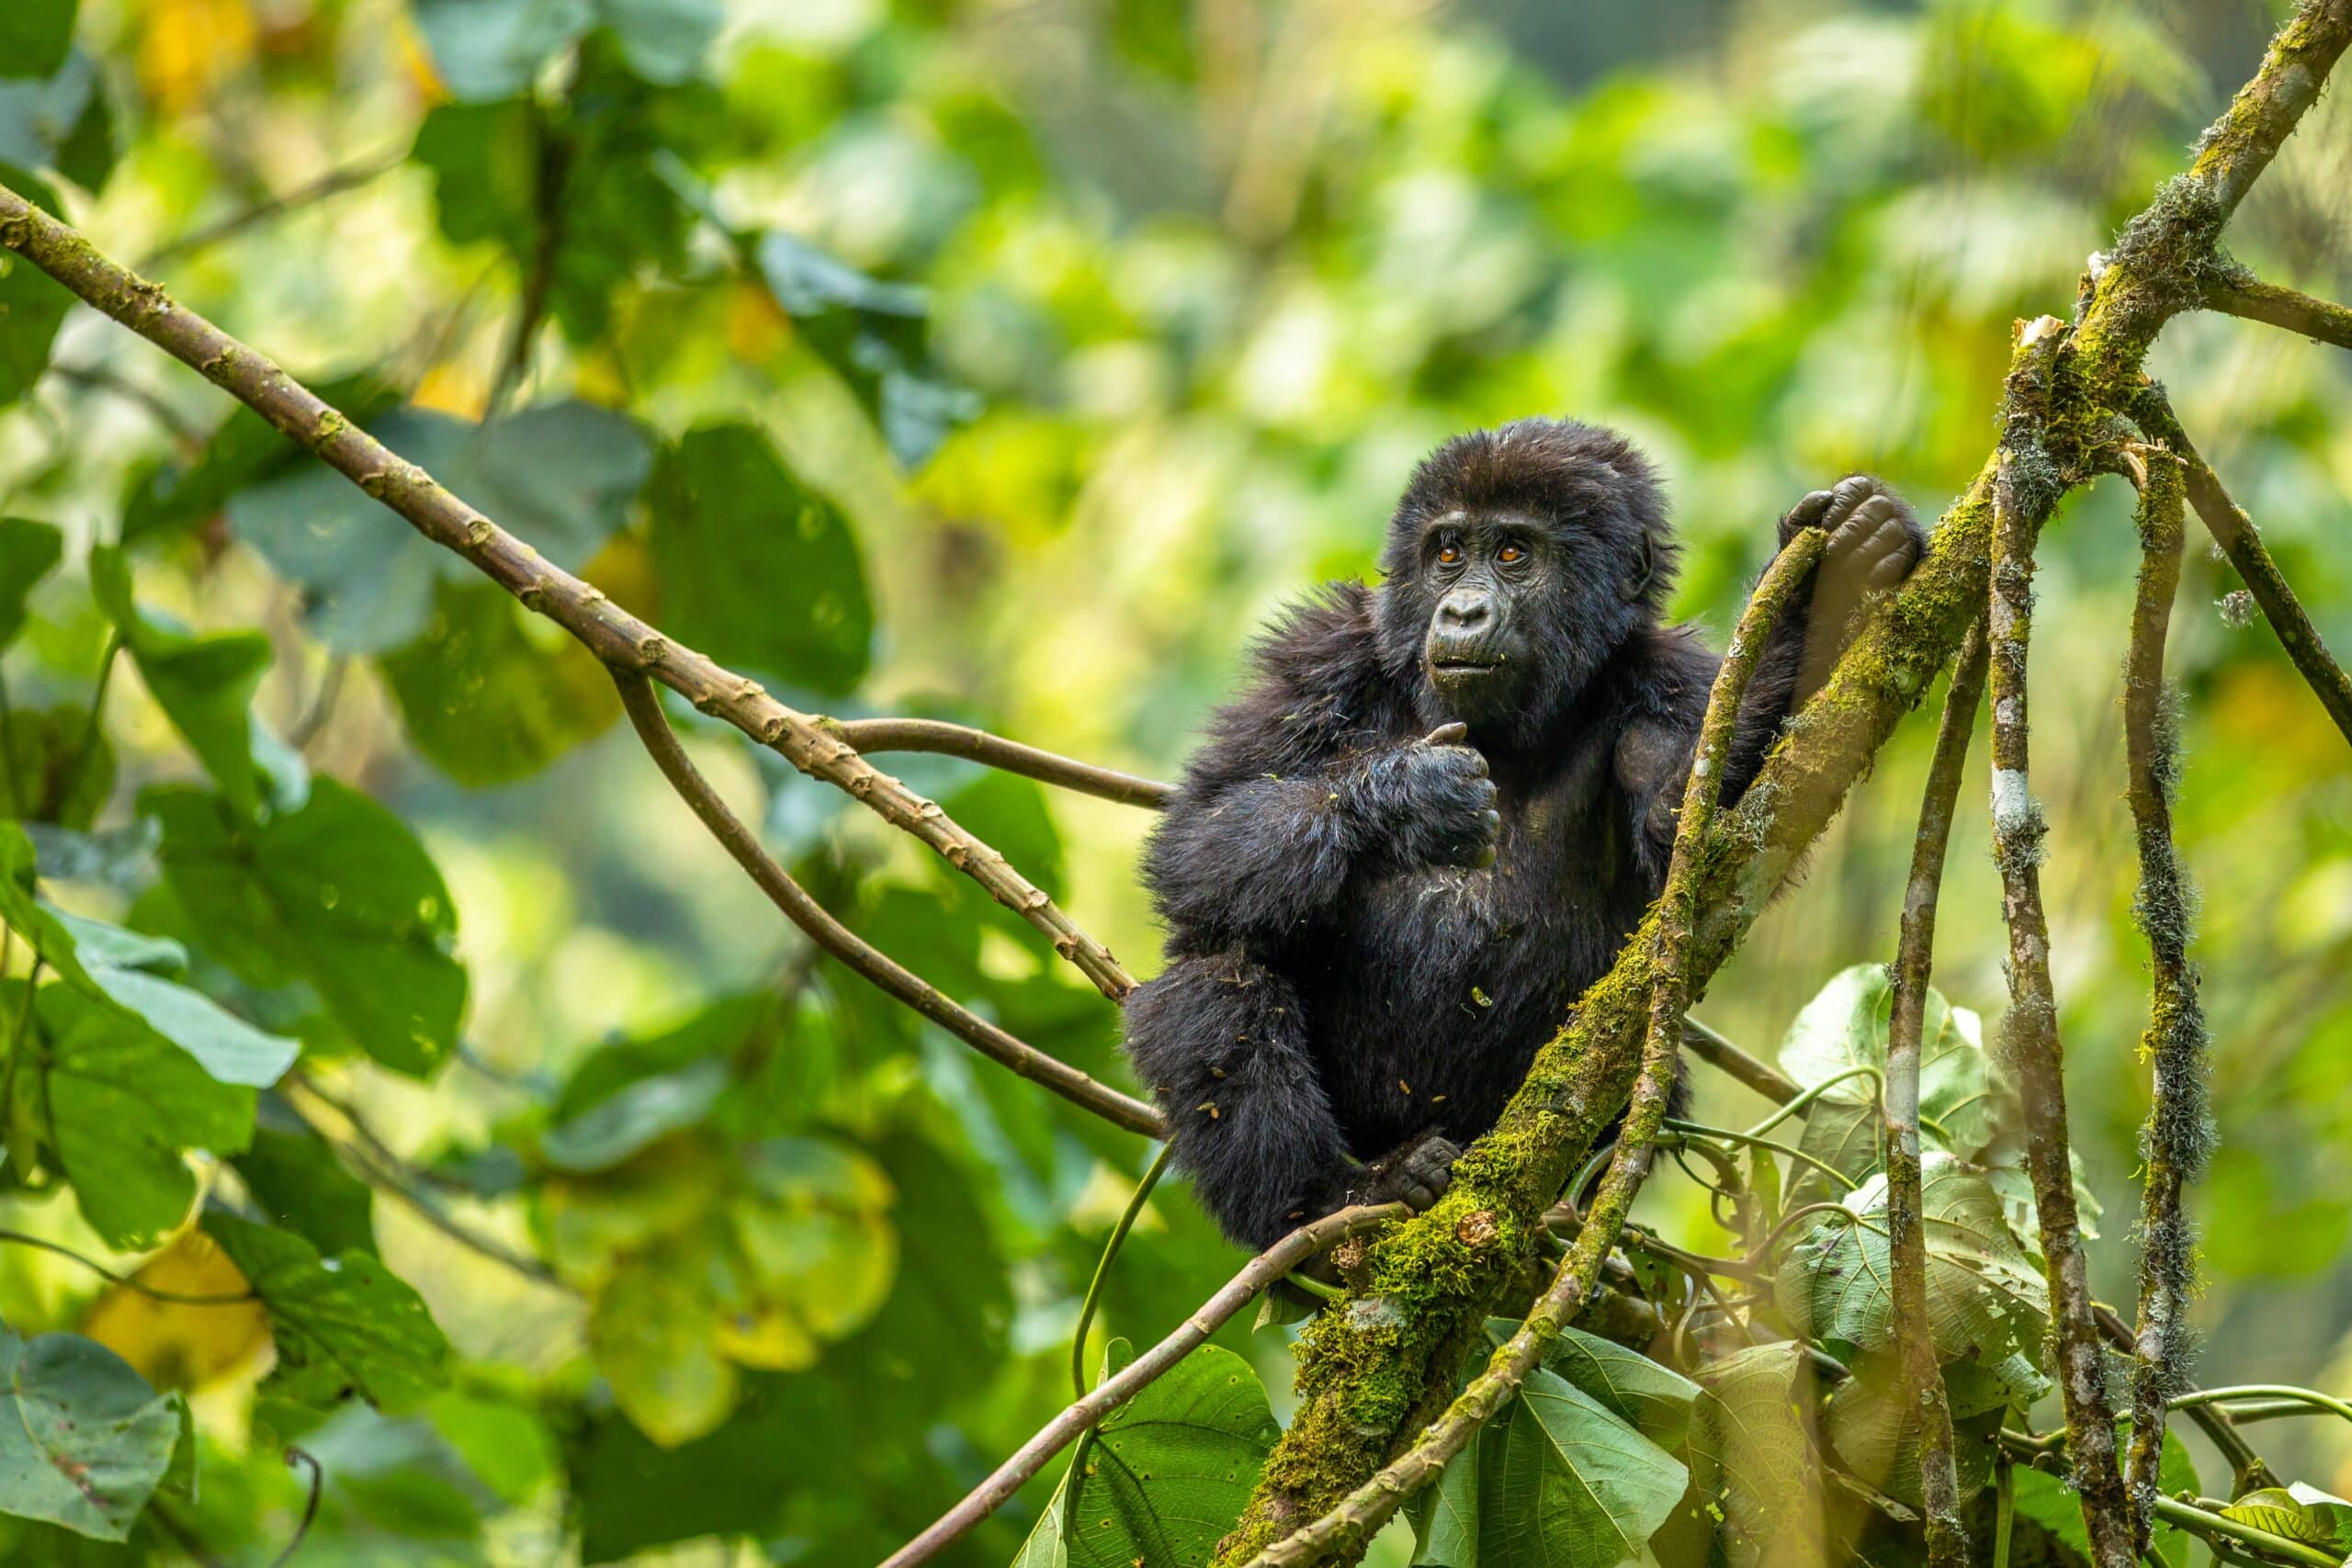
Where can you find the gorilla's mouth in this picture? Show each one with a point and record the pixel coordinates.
(1456, 665)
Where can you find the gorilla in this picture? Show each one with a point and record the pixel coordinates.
(1439, 808)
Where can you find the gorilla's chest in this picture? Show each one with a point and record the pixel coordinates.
(1441, 984)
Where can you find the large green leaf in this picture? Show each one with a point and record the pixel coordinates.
(623, 1123)
(491, 693)
(343, 1326)
(756, 570)
(338, 894)
(1166, 1475)
(1655, 1400)
(1753, 1477)
(1875, 1427)
(115, 1106)
(170, 494)
(295, 1179)
(560, 476)
(1559, 1480)
(60, 768)
(35, 36)
(204, 684)
(1985, 1298)
(83, 1440)
(32, 305)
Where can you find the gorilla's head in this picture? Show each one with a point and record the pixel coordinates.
(1519, 559)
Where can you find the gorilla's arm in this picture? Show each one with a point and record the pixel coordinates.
(1874, 542)
(1301, 782)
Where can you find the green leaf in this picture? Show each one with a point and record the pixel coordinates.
(295, 1179)
(1845, 1027)
(116, 1106)
(83, 1440)
(1166, 1475)
(2298, 1511)
(111, 965)
(1558, 1478)
(32, 305)
(493, 49)
(60, 122)
(35, 36)
(618, 1127)
(664, 40)
(343, 1326)
(560, 476)
(1875, 1428)
(28, 552)
(491, 693)
(1985, 1298)
(1753, 1479)
(755, 570)
(338, 894)
(2045, 1499)
(1655, 1400)
(204, 684)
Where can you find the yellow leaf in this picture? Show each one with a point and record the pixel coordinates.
(189, 47)
(175, 1344)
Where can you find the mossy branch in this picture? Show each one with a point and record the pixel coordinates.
(1354, 1521)
(1915, 959)
(2178, 1137)
(2322, 321)
(1366, 1381)
(619, 638)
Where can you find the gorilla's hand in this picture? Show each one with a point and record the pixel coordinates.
(1416, 1174)
(1433, 801)
(1873, 544)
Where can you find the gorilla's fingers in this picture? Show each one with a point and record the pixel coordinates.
(1806, 514)
(1447, 735)
(1851, 493)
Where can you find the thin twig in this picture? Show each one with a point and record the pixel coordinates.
(2030, 1034)
(871, 736)
(1720, 1053)
(295, 1456)
(1103, 1265)
(334, 183)
(644, 709)
(2241, 541)
(2178, 1137)
(615, 636)
(1899, 1108)
(129, 1281)
(375, 1165)
(1359, 1515)
(1275, 1263)
(2322, 321)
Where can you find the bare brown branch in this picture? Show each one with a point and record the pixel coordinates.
(894, 979)
(1939, 1481)
(874, 735)
(615, 635)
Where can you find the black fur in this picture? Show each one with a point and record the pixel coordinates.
(1369, 933)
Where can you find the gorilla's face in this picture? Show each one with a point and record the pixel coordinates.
(1483, 577)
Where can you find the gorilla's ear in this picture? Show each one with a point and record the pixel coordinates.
(1645, 568)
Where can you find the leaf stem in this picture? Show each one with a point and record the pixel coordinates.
(1103, 1265)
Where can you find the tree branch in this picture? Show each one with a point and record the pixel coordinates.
(2241, 541)
(615, 635)
(2022, 500)
(873, 735)
(644, 709)
(1256, 1275)
(1720, 1052)
(2178, 1137)
(1939, 1481)
(1359, 1515)
(2322, 321)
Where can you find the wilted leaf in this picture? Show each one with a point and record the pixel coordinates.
(82, 1440)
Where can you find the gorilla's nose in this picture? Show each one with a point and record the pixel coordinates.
(1465, 613)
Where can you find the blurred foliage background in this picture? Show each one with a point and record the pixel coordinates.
(1010, 360)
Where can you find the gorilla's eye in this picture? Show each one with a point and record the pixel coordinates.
(1511, 555)
(1449, 553)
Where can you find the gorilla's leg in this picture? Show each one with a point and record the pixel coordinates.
(1222, 1042)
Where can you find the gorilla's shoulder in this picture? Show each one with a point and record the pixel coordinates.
(1664, 675)
(1316, 689)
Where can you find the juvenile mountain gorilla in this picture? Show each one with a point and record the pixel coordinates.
(1438, 812)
